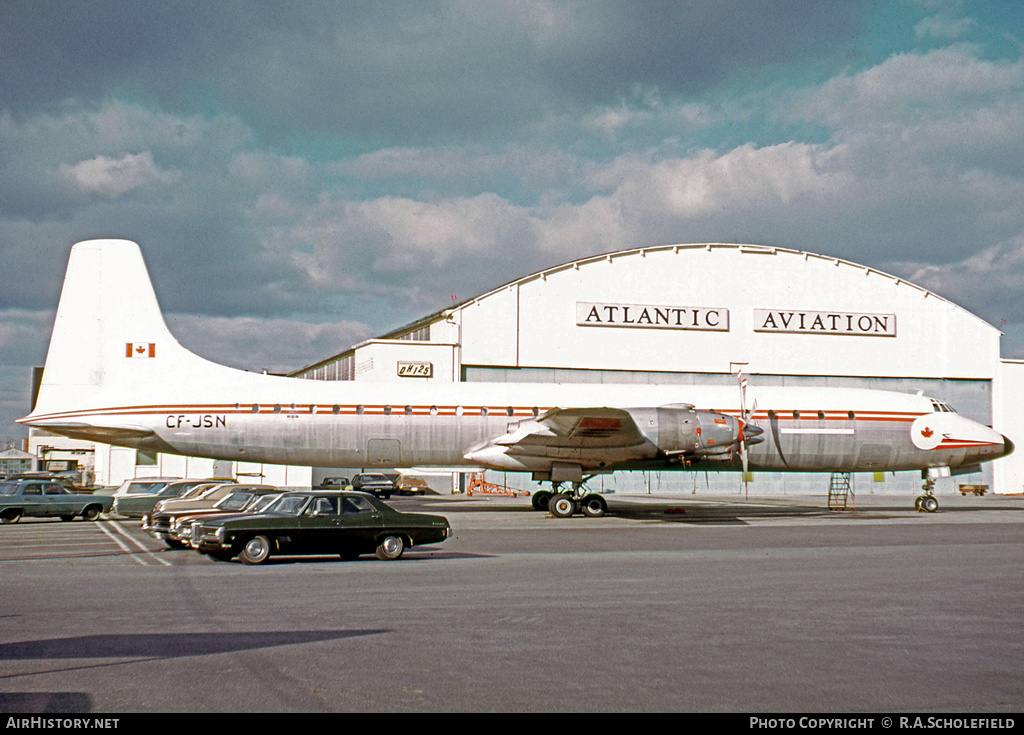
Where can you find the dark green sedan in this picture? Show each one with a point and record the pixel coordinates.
(345, 523)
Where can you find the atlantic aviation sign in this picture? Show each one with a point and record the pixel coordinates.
(825, 322)
(704, 318)
(716, 319)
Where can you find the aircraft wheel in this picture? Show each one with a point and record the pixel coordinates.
(929, 504)
(541, 499)
(917, 502)
(256, 550)
(593, 506)
(562, 506)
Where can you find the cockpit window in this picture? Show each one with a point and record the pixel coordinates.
(942, 407)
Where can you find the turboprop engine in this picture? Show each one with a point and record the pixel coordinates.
(685, 432)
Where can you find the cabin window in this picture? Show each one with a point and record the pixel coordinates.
(277, 408)
(387, 410)
(312, 409)
(433, 410)
(484, 411)
(796, 415)
(459, 410)
(255, 408)
(408, 410)
(359, 409)
(335, 409)
(852, 415)
(536, 412)
(821, 415)
(510, 411)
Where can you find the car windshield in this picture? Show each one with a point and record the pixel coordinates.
(263, 502)
(145, 488)
(289, 505)
(235, 501)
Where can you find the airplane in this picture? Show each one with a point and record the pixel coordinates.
(114, 374)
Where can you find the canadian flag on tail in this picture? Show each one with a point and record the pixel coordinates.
(140, 349)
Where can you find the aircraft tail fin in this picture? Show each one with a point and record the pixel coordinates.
(108, 330)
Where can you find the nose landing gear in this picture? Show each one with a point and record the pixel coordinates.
(927, 503)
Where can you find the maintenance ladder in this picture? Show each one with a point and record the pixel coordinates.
(840, 492)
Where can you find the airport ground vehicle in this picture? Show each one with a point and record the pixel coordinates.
(347, 523)
(43, 498)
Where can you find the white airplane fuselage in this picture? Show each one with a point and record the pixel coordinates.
(115, 374)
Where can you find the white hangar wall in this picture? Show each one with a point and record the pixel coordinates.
(723, 304)
(691, 314)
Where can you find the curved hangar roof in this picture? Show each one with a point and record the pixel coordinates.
(700, 308)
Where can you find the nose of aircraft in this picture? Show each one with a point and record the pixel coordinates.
(1007, 446)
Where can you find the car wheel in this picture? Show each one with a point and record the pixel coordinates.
(593, 506)
(91, 513)
(390, 548)
(10, 516)
(256, 550)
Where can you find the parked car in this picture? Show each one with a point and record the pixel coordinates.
(166, 520)
(410, 485)
(190, 534)
(46, 498)
(136, 505)
(374, 483)
(347, 523)
(334, 483)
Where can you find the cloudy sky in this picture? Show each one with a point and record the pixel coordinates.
(304, 175)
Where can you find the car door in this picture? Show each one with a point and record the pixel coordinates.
(58, 501)
(361, 520)
(320, 526)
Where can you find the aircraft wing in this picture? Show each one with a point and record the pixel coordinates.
(575, 428)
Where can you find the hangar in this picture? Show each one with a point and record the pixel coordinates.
(685, 315)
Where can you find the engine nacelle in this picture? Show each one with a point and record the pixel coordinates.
(686, 432)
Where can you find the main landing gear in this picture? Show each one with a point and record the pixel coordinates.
(566, 504)
(927, 503)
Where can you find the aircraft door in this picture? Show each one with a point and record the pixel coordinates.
(383, 453)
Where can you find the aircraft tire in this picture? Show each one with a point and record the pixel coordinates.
(562, 506)
(593, 506)
(541, 499)
(929, 504)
